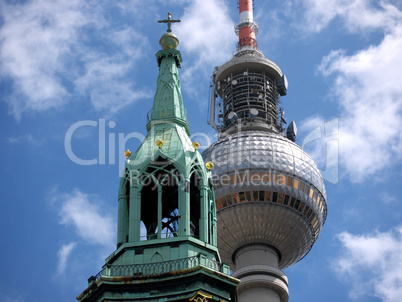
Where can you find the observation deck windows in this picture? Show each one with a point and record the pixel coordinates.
(267, 179)
(236, 197)
(229, 199)
(242, 197)
(261, 195)
(218, 204)
(314, 222)
(248, 196)
(274, 196)
(281, 197)
(292, 202)
(255, 196)
(309, 214)
(286, 200)
(297, 204)
(289, 181)
(223, 202)
(232, 179)
(255, 177)
(268, 196)
(306, 189)
(296, 184)
(280, 179)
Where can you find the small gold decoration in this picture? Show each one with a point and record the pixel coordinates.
(195, 145)
(199, 296)
(209, 165)
(160, 143)
(127, 153)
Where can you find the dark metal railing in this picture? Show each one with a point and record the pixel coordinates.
(158, 268)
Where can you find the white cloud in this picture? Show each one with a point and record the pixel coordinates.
(33, 38)
(84, 212)
(367, 84)
(23, 139)
(355, 14)
(207, 30)
(207, 34)
(56, 51)
(387, 198)
(372, 263)
(63, 255)
(368, 87)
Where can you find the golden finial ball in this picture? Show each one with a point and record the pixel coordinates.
(159, 143)
(127, 153)
(209, 165)
(169, 41)
(195, 145)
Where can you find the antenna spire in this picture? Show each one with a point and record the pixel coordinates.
(246, 29)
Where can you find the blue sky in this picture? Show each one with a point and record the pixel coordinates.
(90, 66)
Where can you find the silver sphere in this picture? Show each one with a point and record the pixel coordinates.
(268, 191)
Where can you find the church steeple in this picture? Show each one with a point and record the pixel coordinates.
(169, 183)
(166, 241)
(168, 102)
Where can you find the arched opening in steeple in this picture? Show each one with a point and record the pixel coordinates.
(149, 205)
(160, 201)
(124, 209)
(195, 202)
(170, 203)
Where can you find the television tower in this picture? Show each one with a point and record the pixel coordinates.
(270, 195)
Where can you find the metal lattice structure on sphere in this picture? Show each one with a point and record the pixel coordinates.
(270, 195)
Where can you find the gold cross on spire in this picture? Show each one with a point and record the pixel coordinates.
(169, 21)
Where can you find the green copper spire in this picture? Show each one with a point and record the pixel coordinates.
(168, 103)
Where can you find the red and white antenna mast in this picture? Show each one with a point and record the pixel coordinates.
(247, 29)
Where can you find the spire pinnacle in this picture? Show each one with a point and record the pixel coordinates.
(169, 39)
(169, 22)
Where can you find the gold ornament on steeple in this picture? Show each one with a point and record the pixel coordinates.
(159, 143)
(127, 153)
(195, 145)
(169, 40)
(209, 165)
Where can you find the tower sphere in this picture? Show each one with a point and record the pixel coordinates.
(268, 191)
